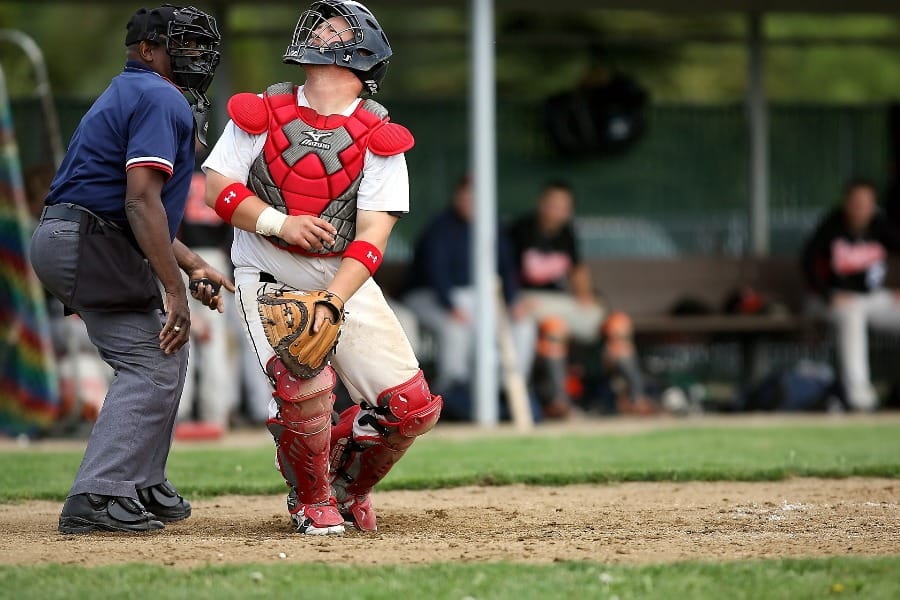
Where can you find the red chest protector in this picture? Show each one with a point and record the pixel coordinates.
(313, 164)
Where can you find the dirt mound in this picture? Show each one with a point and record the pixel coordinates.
(627, 523)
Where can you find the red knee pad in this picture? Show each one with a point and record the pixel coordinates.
(290, 388)
(413, 406)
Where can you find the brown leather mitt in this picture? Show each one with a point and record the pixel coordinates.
(287, 320)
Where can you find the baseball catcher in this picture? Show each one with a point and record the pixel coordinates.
(313, 178)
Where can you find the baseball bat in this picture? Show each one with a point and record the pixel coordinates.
(513, 380)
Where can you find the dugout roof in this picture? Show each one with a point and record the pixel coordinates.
(796, 6)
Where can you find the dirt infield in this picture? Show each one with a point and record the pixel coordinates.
(626, 523)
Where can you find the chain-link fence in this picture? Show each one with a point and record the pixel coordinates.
(680, 189)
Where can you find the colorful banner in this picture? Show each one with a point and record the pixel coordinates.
(29, 395)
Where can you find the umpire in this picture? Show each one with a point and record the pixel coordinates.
(105, 246)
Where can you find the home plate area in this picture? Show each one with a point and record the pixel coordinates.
(615, 523)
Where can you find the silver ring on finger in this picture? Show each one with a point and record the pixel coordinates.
(176, 329)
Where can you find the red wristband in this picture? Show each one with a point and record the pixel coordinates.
(230, 198)
(368, 254)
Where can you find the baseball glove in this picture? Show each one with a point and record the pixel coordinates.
(287, 318)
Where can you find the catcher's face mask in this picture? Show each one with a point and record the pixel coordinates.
(192, 41)
(343, 33)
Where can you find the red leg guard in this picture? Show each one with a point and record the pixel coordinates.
(362, 458)
(301, 431)
(409, 408)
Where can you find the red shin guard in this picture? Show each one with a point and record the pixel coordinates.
(301, 430)
(361, 459)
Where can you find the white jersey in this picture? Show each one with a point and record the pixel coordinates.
(384, 185)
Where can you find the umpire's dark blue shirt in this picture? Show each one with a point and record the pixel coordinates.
(141, 120)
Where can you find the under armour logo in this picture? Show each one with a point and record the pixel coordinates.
(315, 139)
(371, 256)
(229, 197)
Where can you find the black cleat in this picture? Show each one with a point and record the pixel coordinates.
(92, 512)
(164, 502)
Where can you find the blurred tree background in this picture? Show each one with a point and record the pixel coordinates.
(677, 57)
(830, 78)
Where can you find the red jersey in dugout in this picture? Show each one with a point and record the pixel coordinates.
(196, 211)
(312, 164)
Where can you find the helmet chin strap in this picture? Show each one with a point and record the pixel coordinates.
(200, 110)
(371, 79)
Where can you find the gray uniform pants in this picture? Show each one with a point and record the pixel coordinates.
(130, 441)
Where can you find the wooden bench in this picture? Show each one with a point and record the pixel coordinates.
(648, 289)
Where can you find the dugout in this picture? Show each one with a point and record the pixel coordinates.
(755, 180)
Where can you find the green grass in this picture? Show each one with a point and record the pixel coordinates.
(698, 453)
(870, 578)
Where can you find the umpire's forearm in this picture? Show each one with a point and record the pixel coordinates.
(186, 258)
(147, 218)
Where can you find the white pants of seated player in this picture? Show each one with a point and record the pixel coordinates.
(583, 320)
(879, 310)
(373, 353)
(455, 340)
(213, 361)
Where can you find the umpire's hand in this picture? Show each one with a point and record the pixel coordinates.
(177, 330)
(206, 286)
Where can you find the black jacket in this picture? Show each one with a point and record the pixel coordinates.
(835, 258)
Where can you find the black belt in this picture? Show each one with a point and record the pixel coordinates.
(267, 277)
(65, 212)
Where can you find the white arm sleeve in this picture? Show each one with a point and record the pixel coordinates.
(385, 184)
(234, 153)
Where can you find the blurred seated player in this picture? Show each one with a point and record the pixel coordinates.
(845, 263)
(555, 281)
(442, 296)
(557, 290)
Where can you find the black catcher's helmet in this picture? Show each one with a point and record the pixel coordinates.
(360, 45)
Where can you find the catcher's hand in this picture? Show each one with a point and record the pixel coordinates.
(287, 318)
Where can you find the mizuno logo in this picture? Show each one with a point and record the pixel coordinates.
(315, 139)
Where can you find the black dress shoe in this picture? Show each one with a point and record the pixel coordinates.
(164, 502)
(92, 512)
